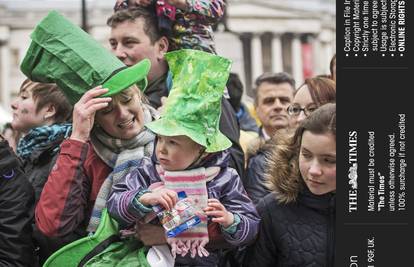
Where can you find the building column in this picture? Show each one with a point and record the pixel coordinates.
(326, 49)
(308, 57)
(330, 51)
(4, 66)
(4, 74)
(257, 61)
(318, 57)
(277, 58)
(297, 71)
(245, 39)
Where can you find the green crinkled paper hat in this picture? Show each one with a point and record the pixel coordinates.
(193, 106)
(62, 53)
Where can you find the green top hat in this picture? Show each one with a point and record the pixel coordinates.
(193, 107)
(62, 53)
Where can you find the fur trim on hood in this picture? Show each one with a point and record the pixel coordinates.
(260, 145)
(257, 145)
(282, 170)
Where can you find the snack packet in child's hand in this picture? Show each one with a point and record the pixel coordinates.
(180, 218)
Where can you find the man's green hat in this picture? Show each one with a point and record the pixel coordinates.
(193, 106)
(62, 53)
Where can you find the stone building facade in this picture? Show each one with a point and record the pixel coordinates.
(296, 36)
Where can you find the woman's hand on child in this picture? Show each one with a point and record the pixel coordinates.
(218, 211)
(165, 197)
(150, 235)
(84, 112)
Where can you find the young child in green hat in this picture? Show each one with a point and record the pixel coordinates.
(191, 156)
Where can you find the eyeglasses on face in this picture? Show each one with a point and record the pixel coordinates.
(296, 109)
(121, 5)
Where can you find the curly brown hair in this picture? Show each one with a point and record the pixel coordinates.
(322, 90)
(283, 176)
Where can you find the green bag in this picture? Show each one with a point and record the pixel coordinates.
(88, 250)
(121, 254)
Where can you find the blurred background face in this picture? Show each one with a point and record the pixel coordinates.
(271, 105)
(302, 100)
(176, 153)
(124, 116)
(317, 162)
(25, 116)
(12, 136)
(8, 133)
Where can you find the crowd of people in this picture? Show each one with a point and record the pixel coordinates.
(105, 136)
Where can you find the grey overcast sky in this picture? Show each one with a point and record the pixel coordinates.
(41, 4)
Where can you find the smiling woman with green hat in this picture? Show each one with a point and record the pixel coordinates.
(108, 135)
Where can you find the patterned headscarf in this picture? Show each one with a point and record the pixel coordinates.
(41, 137)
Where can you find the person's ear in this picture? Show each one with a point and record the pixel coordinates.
(50, 112)
(162, 47)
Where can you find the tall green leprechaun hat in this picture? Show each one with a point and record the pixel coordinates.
(62, 53)
(193, 106)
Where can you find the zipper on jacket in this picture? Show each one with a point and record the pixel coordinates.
(330, 251)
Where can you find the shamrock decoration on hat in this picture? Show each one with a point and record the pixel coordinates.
(62, 53)
(193, 106)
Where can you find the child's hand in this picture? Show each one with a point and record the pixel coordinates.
(140, 2)
(218, 211)
(150, 235)
(165, 197)
(181, 4)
